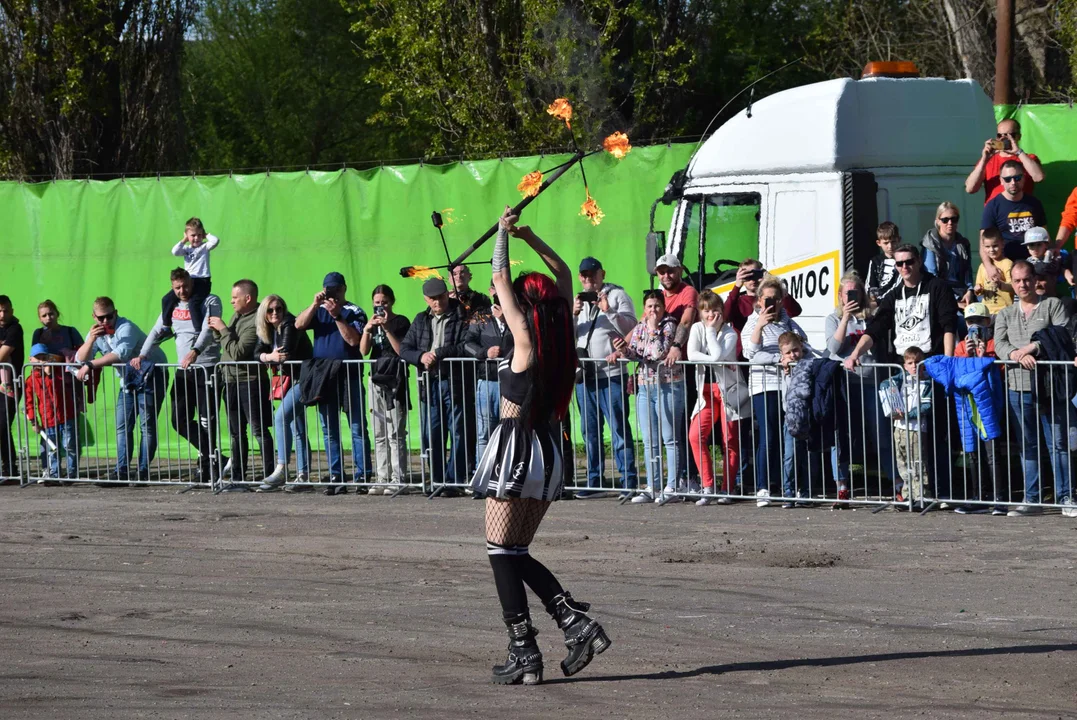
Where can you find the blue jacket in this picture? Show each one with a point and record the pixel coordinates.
(976, 385)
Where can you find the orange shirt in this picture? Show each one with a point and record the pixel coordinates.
(1069, 214)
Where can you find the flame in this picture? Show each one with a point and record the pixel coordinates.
(617, 145)
(514, 263)
(590, 209)
(447, 216)
(420, 272)
(530, 184)
(562, 110)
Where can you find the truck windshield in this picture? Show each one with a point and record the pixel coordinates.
(729, 232)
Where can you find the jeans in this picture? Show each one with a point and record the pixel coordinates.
(1024, 408)
(63, 436)
(248, 401)
(766, 407)
(329, 412)
(8, 408)
(803, 470)
(441, 410)
(865, 416)
(601, 400)
(146, 404)
(291, 418)
(487, 413)
(660, 413)
(191, 394)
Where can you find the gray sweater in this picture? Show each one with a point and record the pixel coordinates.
(186, 335)
(1013, 330)
(619, 322)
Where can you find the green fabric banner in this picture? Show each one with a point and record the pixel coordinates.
(72, 241)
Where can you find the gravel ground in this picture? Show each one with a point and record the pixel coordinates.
(145, 603)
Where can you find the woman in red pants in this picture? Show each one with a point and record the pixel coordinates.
(723, 397)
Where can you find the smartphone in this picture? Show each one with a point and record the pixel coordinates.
(853, 296)
(997, 145)
(756, 274)
(1006, 145)
(495, 301)
(770, 303)
(588, 297)
(379, 311)
(976, 333)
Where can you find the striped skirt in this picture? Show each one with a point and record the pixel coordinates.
(520, 464)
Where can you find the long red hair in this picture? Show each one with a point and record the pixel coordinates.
(549, 319)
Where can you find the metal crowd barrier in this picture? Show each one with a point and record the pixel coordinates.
(13, 429)
(219, 427)
(1027, 467)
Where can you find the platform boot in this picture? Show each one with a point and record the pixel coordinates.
(583, 635)
(524, 663)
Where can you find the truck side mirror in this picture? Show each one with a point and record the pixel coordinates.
(656, 242)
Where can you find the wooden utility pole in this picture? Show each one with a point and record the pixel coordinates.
(1004, 52)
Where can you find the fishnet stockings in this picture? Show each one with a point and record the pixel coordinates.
(513, 521)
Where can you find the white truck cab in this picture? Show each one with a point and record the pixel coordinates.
(801, 179)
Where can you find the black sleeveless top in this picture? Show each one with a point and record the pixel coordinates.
(514, 387)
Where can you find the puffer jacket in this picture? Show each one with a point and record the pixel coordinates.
(976, 386)
(811, 411)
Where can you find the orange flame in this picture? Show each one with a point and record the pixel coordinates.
(617, 145)
(530, 184)
(590, 209)
(420, 272)
(562, 110)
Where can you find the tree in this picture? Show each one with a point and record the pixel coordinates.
(279, 82)
(90, 86)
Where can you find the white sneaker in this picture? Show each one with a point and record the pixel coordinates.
(227, 469)
(762, 497)
(644, 497)
(376, 489)
(706, 500)
(277, 477)
(391, 489)
(1069, 508)
(723, 500)
(668, 497)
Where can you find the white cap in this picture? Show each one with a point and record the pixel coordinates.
(668, 260)
(1036, 235)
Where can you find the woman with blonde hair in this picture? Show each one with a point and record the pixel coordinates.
(947, 253)
(281, 346)
(843, 329)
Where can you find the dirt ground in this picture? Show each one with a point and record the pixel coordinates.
(143, 603)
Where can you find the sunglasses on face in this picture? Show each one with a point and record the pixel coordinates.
(949, 220)
(905, 263)
(106, 318)
(999, 136)
(1012, 178)
(274, 310)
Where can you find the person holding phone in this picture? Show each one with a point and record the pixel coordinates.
(1004, 147)
(604, 312)
(740, 303)
(843, 329)
(759, 338)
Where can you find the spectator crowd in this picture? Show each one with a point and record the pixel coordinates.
(729, 397)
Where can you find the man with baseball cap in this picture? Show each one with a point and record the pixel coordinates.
(436, 335)
(604, 312)
(681, 302)
(338, 330)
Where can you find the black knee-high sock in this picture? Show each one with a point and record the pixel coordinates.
(510, 587)
(538, 578)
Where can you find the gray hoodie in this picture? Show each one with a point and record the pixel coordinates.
(617, 323)
(187, 336)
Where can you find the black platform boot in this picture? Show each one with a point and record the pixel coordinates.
(524, 664)
(583, 635)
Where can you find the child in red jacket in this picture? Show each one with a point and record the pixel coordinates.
(51, 408)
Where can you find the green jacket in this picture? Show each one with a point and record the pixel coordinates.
(238, 344)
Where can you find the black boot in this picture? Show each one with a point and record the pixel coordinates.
(584, 636)
(524, 664)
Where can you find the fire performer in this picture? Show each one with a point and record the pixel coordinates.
(521, 471)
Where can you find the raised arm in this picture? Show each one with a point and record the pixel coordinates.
(514, 317)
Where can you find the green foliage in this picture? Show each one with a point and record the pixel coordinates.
(279, 82)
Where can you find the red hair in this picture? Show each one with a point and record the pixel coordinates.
(553, 336)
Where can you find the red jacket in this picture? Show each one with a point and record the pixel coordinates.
(55, 396)
(739, 307)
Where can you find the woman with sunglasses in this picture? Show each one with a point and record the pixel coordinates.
(282, 346)
(947, 254)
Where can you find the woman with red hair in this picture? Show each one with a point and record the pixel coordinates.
(520, 473)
